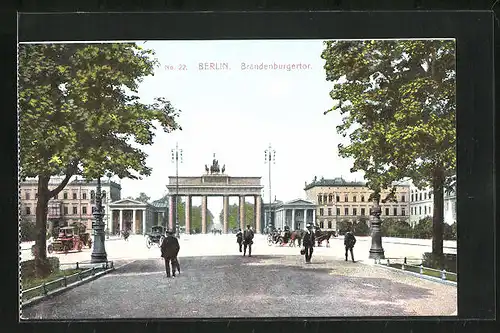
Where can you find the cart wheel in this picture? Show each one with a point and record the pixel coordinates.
(269, 241)
(50, 249)
(161, 241)
(148, 243)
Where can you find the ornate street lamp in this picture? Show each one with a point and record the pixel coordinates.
(176, 157)
(376, 250)
(270, 158)
(98, 250)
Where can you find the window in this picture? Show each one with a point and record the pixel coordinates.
(403, 211)
(27, 195)
(412, 197)
(92, 196)
(346, 211)
(74, 196)
(66, 209)
(75, 210)
(320, 199)
(403, 198)
(425, 209)
(84, 196)
(363, 211)
(425, 196)
(354, 211)
(36, 195)
(395, 211)
(354, 199)
(28, 210)
(387, 211)
(338, 211)
(104, 196)
(420, 196)
(321, 212)
(338, 198)
(329, 224)
(362, 198)
(325, 198)
(56, 196)
(321, 225)
(420, 210)
(346, 198)
(329, 212)
(330, 199)
(65, 195)
(84, 210)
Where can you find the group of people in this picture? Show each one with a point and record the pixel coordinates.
(170, 247)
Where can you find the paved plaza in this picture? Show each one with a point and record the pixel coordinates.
(216, 281)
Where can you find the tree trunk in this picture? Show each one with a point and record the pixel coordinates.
(438, 214)
(42, 266)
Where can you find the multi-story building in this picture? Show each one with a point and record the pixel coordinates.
(75, 203)
(422, 201)
(337, 199)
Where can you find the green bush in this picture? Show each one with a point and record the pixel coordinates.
(361, 228)
(423, 229)
(28, 267)
(344, 226)
(448, 261)
(28, 231)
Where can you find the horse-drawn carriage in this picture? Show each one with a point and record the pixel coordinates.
(322, 236)
(155, 236)
(284, 237)
(81, 230)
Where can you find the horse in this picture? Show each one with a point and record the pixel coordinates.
(323, 236)
(297, 235)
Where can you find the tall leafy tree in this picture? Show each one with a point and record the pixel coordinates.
(79, 114)
(397, 99)
(143, 197)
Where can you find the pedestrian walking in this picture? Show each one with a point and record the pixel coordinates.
(247, 240)
(239, 239)
(308, 243)
(169, 250)
(349, 241)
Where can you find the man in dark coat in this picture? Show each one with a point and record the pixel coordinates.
(308, 243)
(349, 241)
(239, 238)
(169, 250)
(247, 240)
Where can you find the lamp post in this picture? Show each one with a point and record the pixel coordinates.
(176, 157)
(270, 158)
(376, 250)
(98, 249)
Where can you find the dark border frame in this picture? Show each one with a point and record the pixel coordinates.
(475, 116)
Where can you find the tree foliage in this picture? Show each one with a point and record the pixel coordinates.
(143, 197)
(234, 215)
(397, 99)
(79, 114)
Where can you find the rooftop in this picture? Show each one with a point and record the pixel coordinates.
(339, 181)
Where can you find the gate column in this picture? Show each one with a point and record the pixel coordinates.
(204, 214)
(258, 203)
(242, 212)
(171, 212)
(188, 214)
(225, 213)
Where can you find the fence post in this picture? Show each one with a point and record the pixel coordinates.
(44, 288)
(79, 276)
(64, 279)
(443, 274)
(405, 261)
(77, 265)
(403, 266)
(93, 270)
(388, 262)
(421, 269)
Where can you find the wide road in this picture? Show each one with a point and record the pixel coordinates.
(216, 281)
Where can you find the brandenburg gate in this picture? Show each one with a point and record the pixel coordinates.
(215, 183)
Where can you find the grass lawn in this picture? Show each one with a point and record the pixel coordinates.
(450, 277)
(33, 282)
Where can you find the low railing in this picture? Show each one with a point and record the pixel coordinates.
(47, 287)
(443, 274)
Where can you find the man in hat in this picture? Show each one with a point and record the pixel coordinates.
(308, 242)
(239, 239)
(247, 240)
(169, 250)
(349, 241)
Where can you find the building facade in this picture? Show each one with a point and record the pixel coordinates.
(337, 199)
(294, 214)
(132, 215)
(75, 203)
(422, 201)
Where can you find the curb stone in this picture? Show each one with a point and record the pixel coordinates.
(422, 276)
(58, 291)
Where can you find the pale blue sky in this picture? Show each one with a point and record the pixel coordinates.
(236, 114)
